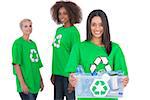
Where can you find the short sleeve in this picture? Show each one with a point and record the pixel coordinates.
(75, 37)
(16, 53)
(119, 61)
(74, 59)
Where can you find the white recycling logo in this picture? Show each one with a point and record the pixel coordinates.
(99, 88)
(57, 41)
(34, 55)
(97, 61)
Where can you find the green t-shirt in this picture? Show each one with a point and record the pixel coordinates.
(86, 53)
(65, 38)
(25, 54)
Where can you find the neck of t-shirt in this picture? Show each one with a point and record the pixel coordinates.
(97, 41)
(67, 25)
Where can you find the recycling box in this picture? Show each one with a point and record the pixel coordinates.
(100, 86)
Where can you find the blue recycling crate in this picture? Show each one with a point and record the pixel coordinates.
(99, 86)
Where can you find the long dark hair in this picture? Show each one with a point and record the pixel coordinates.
(74, 11)
(106, 35)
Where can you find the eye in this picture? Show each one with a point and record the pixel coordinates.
(65, 13)
(25, 26)
(59, 13)
(100, 24)
(30, 26)
(93, 24)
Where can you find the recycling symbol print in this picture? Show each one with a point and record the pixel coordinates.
(99, 88)
(99, 60)
(34, 55)
(57, 41)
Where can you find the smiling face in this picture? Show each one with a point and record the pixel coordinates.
(97, 27)
(26, 27)
(63, 15)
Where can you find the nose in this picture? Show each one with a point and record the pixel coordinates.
(97, 27)
(61, 15)
(29, 28)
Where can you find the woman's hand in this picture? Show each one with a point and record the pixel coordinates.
(25, 89)
(125, 81)
(41, 85)
(52, 79)
(70, 88)
(72, 80)
(72, 83)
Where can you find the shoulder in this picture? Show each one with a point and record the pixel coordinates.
(115, 46)
(82, 44)
(74, 28)
(18, 41)
(33, 42)
(59, 28)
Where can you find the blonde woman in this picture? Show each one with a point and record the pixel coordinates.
(26, 64)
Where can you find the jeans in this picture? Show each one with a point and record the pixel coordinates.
(60, 88)
(28, 96)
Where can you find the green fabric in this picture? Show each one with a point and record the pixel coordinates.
(85, 54)
(69, 37)
(25, 54)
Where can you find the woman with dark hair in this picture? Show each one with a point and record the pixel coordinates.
(105, 39)
(96, 49)
(66, 13)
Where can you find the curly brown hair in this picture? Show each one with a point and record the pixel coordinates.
(73, 10)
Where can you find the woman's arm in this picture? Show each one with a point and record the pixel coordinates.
(21, 80)
(41, 83)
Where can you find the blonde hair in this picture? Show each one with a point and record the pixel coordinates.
(24, 20)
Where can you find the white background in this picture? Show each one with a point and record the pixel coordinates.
(129, 26)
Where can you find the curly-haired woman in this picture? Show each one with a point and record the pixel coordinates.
(66, 13)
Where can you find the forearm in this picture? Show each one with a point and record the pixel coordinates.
(19, 74)
(41, 77)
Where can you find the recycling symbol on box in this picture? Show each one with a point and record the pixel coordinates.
(99, 88)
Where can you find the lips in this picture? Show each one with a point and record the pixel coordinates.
(28, 31)
(62, 20)
(97, 33)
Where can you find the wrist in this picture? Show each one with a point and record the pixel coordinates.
(22, 83)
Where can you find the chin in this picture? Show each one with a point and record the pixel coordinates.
(28, 33)
(98, 36)
(62, 21)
